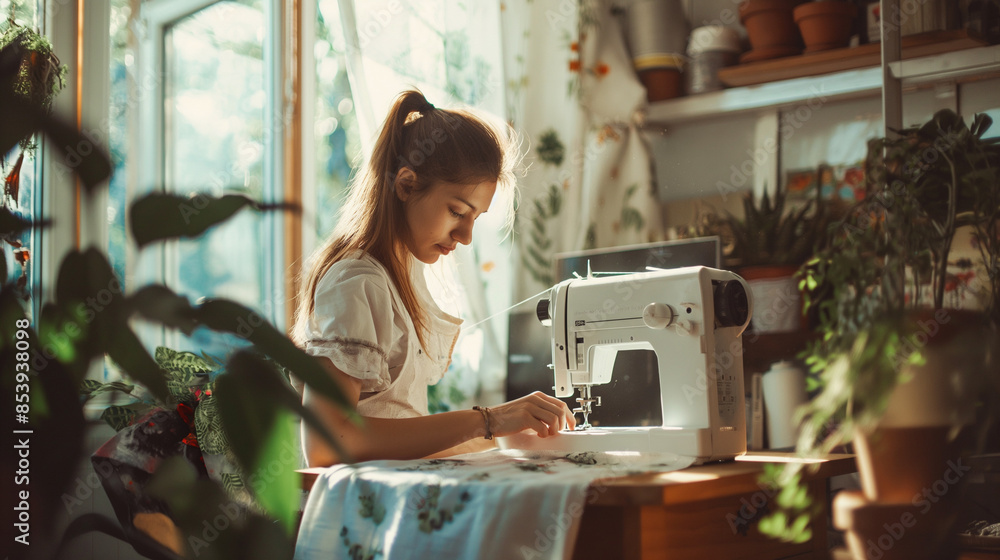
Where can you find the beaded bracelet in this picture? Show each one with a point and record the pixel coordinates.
(486, 418)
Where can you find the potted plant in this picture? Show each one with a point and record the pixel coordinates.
(770, 28)
(825, 24)
(768, 245)
(35, 79)
(906, 361)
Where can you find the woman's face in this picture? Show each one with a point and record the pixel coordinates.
(443, 216)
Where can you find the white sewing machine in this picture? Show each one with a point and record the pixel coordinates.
(692, 318)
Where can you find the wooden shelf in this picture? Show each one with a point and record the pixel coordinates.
(839, 60)
(959, 65)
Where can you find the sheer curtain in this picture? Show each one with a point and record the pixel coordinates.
(560, 73)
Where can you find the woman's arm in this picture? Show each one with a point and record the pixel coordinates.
(414, 438)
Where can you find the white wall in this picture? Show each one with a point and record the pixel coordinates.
(698, 163)
(837, 132)
(982, 97)
(691, 160)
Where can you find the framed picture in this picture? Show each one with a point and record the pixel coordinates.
(836, 182)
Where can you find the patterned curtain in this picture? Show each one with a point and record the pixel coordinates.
(572, 90)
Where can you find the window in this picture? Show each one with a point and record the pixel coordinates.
(21, 253)
(195, 98)
(211, 123)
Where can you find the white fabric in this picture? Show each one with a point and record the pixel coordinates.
(493, 504)
(361, 325)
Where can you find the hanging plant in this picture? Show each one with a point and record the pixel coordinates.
(37, 80)
(40, 74)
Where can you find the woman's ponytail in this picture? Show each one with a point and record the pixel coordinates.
(389, 146)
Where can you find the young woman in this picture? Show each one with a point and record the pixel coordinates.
(365, 311)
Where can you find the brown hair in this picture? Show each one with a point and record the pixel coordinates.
(455, 146)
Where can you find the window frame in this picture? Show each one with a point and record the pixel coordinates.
(157, 16)
(80, 37)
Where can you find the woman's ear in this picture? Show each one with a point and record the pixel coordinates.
(405, 183)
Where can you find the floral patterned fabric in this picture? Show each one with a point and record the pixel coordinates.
(493, 504)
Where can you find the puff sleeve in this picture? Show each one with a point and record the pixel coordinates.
(352, 323)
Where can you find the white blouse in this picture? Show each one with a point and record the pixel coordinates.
(360, 323)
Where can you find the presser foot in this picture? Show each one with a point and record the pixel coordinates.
(586, 404)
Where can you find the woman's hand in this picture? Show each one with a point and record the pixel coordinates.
(544, 414)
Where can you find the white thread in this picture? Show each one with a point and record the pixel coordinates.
(509, 309)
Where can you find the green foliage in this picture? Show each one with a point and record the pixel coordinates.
(208, 427)
(790, 520)
(86, 317)
(39, 75)
(767, 234)
(161, 216)
(23, 116)
(920, 187)
(246, 421)
(442, 396)
(185, 374)
(121, 417)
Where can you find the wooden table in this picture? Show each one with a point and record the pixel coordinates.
(704, 512)
(709, 511)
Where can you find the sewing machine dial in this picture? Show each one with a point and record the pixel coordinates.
(732, 308)
(658, 315)
(542, 312)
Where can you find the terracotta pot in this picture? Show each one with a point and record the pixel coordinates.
(777, 301)
(912, 480)
(896, 465)
(771, 29)
(661, 83)
(927, 406)
(825, 25)
(882, 531)
(914, 464)
(661, 74)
